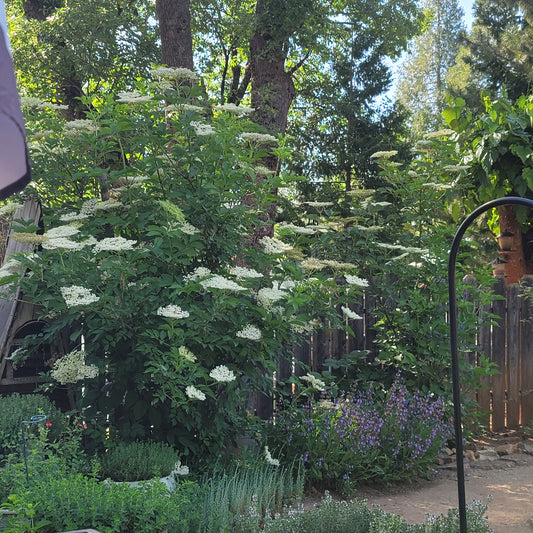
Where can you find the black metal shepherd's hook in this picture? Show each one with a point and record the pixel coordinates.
(510, 200)
(35, 419)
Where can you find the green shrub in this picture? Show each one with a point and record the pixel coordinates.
(134, 461)
(355, 517)
(371, 435)
(16, 408)
(73, 502)
(229, 497)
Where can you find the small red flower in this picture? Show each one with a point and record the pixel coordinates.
(48, 423)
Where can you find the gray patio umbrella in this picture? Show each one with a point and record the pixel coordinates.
(15, 171)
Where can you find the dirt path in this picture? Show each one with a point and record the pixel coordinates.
(507, 482)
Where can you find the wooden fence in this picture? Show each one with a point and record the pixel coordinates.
(506, 398)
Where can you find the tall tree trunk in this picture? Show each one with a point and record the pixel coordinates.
(272, 94)
(175, 31)
(272, 86)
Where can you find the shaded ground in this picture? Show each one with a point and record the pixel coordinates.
(508, 484)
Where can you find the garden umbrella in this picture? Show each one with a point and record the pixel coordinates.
(15, 170)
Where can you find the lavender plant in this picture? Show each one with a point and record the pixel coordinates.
(363, 435)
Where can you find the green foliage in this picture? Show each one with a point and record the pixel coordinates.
(422, 86)
(355, 517)
(73, 502)
(246, 494)
(177, 332)
(16, 408)
(54, 36)
(136, 461)
(367, 435)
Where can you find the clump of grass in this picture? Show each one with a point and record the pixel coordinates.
(257, 489)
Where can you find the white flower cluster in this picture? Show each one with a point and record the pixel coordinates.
(183, 74)
(62, 243)
(401, 248)
(89, 206)
(222, 374)
(133, 97)
(269, 459)
(220, 282)
(180, 470)
(235, 109)
(172, 311)
(8, 209)
(319, 204)
(259, 138)
(350, 314)
(195, 394)
(72, 217)
(113, 244)
(304, 230)
(199, 272)
(312, 263)
(188, 229)
(354, 280)
(201, 128)
(74, 127)
(314, 382)
(186, 354)
(31, 238)
(243, 272)
(440, 133)
(267, 296)
(61, 231)
(76, 295)
(273, 246)
(108, 204)
(384, 155)
(249, 332)
(72, 368)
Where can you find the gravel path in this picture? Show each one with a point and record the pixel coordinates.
(507, 482)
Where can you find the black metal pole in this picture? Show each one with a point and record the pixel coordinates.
(510, 200)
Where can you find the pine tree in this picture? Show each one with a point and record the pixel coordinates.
(422, 85)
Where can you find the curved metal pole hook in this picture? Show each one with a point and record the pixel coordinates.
(510, 200)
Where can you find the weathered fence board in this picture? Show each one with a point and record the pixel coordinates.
(526, 346)
(505, 399)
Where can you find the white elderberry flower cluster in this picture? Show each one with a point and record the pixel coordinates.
(194, 394)
(384, 155)
(186, 354)
(201, 128)
(350, 314)
(76, 295)
(172, 311)
(235, 109)
(61, 231)
(268, 295)
(273, 246)
(269, 459)
(181, 74)
(220, 282)
(180, 470)
(8, 209)
(222, 374)
(71, 368)
(259, 138)
(314, 382)
(114, 244)
(354, 280)
(249, 332)
(244, 272)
